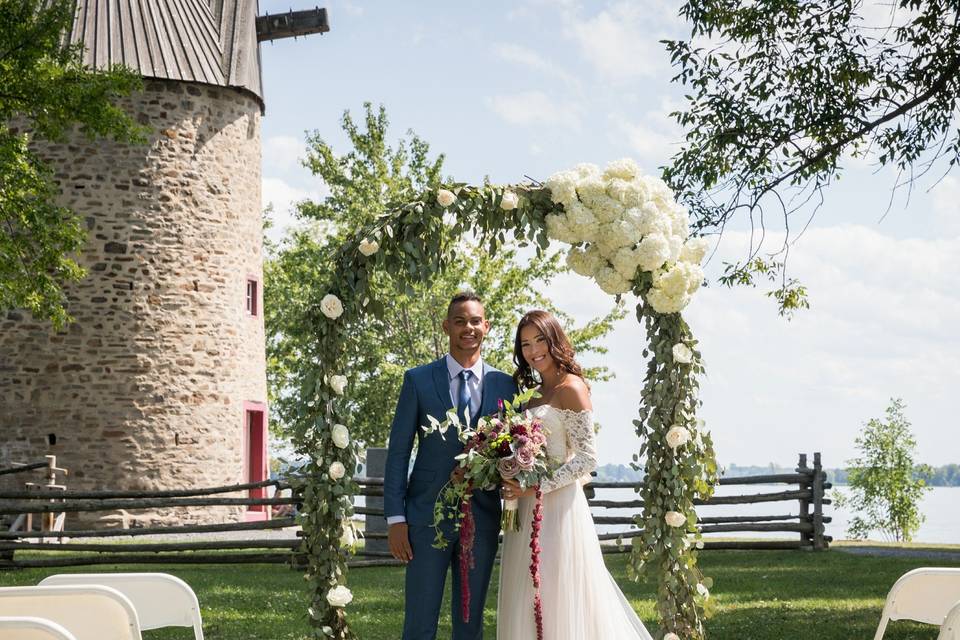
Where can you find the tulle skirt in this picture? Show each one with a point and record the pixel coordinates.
(581, 601)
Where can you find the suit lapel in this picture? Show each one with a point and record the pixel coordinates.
(441, 380)
(486, 393)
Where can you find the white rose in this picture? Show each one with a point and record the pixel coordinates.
(675, 519)
(671, 636)
(369, 247)
(336, 470)
(624, 169)
(682, 354)
(702, 590)
(509, 201)
(694, 250)
(677, 436)
(338, 384)
(652, 252)
(340, 435)
(612, 282)
(331, 306)
(339, 596)
(445, 198)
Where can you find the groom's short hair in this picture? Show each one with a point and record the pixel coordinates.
(462, 296)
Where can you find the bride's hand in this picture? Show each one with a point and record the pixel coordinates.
(511, 490)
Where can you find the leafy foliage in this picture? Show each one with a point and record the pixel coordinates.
(45, 89)
(885, 492)
(405, 329)
(673, 478)
(780, 94)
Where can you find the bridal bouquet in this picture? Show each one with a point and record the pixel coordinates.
(508, 445)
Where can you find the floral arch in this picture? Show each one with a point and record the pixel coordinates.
(626, 232)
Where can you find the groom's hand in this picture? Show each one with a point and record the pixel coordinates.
(398, 539)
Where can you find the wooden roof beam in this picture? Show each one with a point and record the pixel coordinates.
(292, 24)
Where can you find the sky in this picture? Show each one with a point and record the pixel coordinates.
(530, 87)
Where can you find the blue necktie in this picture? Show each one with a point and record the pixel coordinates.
(463, 401)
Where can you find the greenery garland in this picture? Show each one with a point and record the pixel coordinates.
(419, 239)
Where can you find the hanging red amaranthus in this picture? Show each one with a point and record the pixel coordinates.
(467, 535)
(535, 562)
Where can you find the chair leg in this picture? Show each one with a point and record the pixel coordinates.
(882, 627)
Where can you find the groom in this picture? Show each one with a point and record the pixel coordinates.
(458, 380)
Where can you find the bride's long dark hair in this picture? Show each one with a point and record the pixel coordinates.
(557, 343)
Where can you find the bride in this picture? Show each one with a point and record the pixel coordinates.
(579, 597)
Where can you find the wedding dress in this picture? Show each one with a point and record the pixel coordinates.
(581, 601)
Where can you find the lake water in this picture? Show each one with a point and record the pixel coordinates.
(941, 506)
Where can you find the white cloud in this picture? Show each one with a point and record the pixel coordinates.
(535, 108)
(284, 197)
(654, 138)
(622, 40)
(882, 325)
(532, 60)
(283, 153)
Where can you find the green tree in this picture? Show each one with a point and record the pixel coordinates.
(364, 182)
(46, 90)
(781, 94)
(885, 489)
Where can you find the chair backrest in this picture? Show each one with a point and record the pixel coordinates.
(161, 600)
(32, 629)
(89, 612)
(924, 595)
(950, 629)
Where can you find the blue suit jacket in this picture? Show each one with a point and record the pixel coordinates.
(426, 391)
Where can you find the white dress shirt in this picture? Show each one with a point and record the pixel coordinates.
(474, 387)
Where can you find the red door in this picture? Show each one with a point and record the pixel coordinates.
(255, 441)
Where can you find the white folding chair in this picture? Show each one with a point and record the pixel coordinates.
(32, 629)
(950, 629)
(161, 600)
(89, 612)
(924, 595)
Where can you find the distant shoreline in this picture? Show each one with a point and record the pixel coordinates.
(943, 476)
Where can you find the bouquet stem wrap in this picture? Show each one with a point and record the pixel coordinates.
(510, 521)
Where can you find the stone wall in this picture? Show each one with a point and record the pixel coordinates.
(146, 389)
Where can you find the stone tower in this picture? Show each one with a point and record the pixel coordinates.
(161, 381)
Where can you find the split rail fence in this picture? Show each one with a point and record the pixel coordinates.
(80, 547)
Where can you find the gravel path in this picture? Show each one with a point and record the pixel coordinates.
(902, 552)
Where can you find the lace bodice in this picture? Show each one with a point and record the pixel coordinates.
(570, 441)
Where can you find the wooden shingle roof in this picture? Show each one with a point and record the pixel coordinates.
(208, 41)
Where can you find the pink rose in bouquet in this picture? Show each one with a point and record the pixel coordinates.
(508, 467)
(526, 457)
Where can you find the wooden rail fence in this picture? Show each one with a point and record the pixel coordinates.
(81, 547)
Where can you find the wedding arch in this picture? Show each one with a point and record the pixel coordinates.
(620, 228)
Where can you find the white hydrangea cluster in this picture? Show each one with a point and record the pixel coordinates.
(622, 223)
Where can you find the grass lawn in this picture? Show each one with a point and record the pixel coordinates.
(757, 595)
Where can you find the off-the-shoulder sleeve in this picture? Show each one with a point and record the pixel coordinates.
(582, 442)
